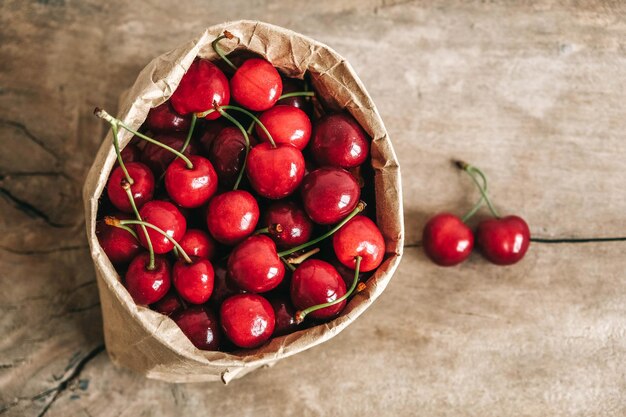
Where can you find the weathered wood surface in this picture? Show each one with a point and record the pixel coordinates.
(533, 93)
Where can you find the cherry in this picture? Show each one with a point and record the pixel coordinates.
(447, 240)
(201, 327)
(163, 118)
(291, 85)
(120, 245)
(159, 158)
(193, 281)
(254, 265)
(287, 125)
(359, 237)
(317, 282)
(329, 194)
(223, 286)
(142, 187)
(275, 172)
(256, 85)
(202, 85)
(144, 285)
(503, 241)
(191, 187)
(227, 155)
(284, 312)
(166, 216)
(247, 320)
(198, 243)
(295, 226)
(130, 153)
(339, 141)
(232, 216)
(211, 130)
(168, 305)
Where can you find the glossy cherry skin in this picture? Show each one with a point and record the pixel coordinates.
(447, 240)
(232, 216)
(503, 241)
(339, 141)
(291, 85)
(163, 118)
(168, 218)
(247, 320)
(287, 124)
(158, 158)
(275, 172)
(202, 85)
(120, 246)
(329, 194)
(201, 327)
(168, 305)
(296, 226)
(284, 312)
(223, 286)
(193, 187)
(317, 282)
(256, 85)
(227, 154)
(198, 243)
(142, 188)
(144, 285)
(194, 281)
(209, 134)
(254, 265)
(359, 237)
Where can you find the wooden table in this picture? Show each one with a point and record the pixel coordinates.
(532, 93)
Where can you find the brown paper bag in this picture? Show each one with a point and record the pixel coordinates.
(150, 343)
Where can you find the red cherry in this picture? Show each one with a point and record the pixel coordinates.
(144, 285)
(447, 240)
(287, 124)
(198, 243)
(191, 187)
(339, 141)
(163, 118)
(194, 281)
(317, 282)
(168, 305)
(232, 216)
(202, 85)
(227, 154)
(359, 237)
(275, 172)
(247, 320)
(120, 246)
(295, 224)
(159, 158)
(329, 194)
(223, 286)
(201, 327)
(254, 265)
(142, 188)
(165, 216)
(291, 85)
(503, 241)
(285, 313)
(256, 85)
(209, 134)
(130, 153)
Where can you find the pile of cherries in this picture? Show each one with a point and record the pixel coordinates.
(448, 240)
(239, 207)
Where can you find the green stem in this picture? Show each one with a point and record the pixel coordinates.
(298, 94)
(476, 207)
(300, 315)
(180, 249)
(251, 127)
(216, 48)
(129, 193)
(129, 230)
(194, 119)
(118, 153)
(291, 267)
(245, 135)
(471, 171)
(299, 259)
(359, 208)
(244, 111)
(261, 231)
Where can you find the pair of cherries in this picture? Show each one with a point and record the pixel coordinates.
(254, 292)
(448, 240)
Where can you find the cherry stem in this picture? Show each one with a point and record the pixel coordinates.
(216, 48)
(244, 111)
(472, 171)
(129, 230)
(290, 266)
(300, 315)
(272, 229)
(112, 120)
(298, 94)
(179, 248)
(476, 207)
(359, 208)
(194, 119)
(129, 193)
(261, 231)
(303, 257)
(245, 135)
(118, 153)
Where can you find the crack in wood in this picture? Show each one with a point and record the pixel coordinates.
(44, 251)
(29, 209)
(30, 135)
